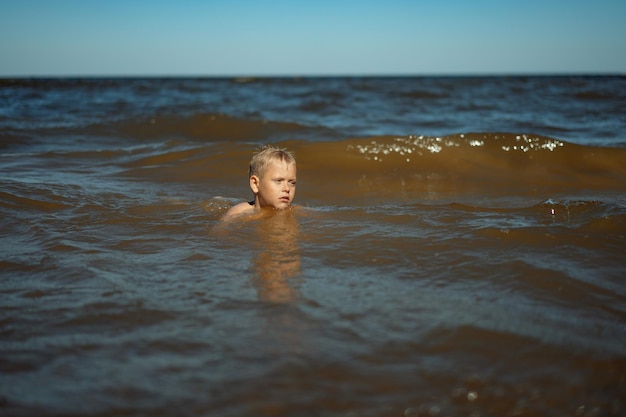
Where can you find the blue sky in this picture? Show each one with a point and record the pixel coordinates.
(321, 37)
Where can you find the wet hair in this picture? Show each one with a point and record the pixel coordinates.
(268, 153)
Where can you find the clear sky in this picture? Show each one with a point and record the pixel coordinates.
(313, 37)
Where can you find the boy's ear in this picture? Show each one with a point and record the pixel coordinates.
(254, 184)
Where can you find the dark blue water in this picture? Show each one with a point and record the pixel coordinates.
(584, 110)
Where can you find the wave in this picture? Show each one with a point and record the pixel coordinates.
(462, 167)
(208, 127)
(465, 167)
(474, 164)
(202, 127)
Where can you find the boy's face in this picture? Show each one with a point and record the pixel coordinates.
(276, 188)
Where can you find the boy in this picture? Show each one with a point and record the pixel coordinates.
(272, 180)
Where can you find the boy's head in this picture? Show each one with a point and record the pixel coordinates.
(273, 177)
(268, 153)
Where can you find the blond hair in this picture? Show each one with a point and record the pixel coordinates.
(268, 153)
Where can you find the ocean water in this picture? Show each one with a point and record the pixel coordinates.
(458, 248)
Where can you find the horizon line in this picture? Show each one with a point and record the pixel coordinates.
(243, 77)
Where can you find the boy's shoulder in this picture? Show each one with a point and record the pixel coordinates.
(237, 209)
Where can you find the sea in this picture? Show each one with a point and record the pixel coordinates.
(458, 247)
